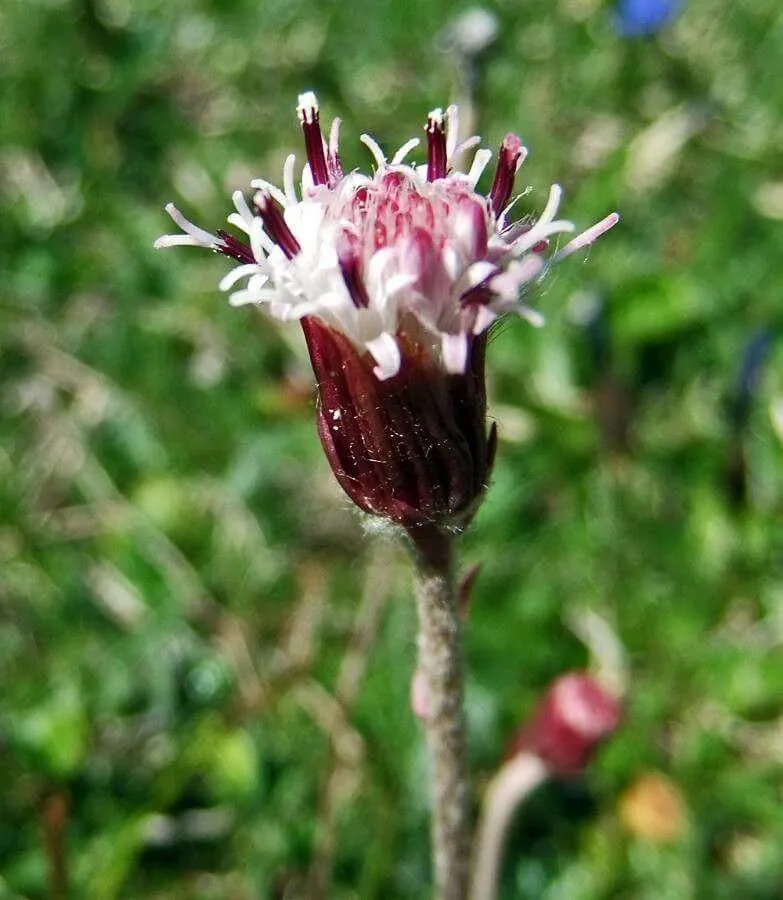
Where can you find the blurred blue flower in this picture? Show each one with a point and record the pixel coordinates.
(636, 18)
(746, 384)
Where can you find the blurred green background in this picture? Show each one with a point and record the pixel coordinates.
(204, 662)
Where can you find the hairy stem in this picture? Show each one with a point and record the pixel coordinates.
(440, 659)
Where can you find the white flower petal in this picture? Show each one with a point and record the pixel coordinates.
(539, 233)
(235, 275)
(452, 262)
(485, 316)
(334, 138)
(588, 236)
(200, 237)
(519, 272)
(288, 178)
(455, 352)
(176, 240)
(552, 204)
(398, 283)
(480, 161)
(406, 148)
(533, 316)
(243, 212)
(242, 298)
(263, 185)
(308, 183)
(255, 292)
(386, 353)
(478, 272)
(238, 221)
(375, 149)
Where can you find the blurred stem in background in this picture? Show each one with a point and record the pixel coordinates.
(54, 818)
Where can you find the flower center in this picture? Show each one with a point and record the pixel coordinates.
(392, 210)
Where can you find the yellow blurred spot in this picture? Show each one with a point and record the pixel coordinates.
(768, 200)
(653, 810)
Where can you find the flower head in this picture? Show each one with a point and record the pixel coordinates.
(396, 278)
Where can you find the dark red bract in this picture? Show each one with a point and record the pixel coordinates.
(413, 448)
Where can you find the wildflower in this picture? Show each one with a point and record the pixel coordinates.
(638, 18)
(396, 278)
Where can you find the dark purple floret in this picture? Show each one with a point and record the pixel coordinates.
(275, 225)
(314, 145)
(508, 162)
(436, 149)
(234, 248)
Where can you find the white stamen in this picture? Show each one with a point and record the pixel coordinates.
(452, 131)
(480, 161)
(334, 138)
(263, 185)
(532, 316)
(176, 240)
(475, 274)
(455, 352)
(235, 275)
(406, 148)
(588, 236)
(484, 318)
(540, 232)
(243, 217)
(201, 238)
(260, 242)
(552, 203)
(374, 148)
(386, 352)
(288, 178)
(519, 272)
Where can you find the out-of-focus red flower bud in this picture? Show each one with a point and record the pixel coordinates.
(573, 717)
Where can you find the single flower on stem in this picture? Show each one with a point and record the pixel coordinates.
(396, 278)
